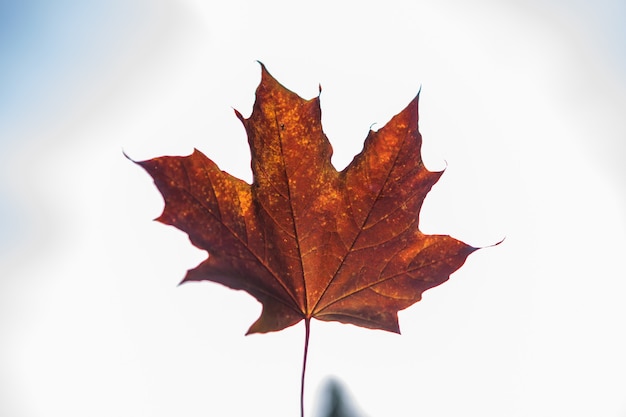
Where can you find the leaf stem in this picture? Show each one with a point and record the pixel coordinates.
(307, 333)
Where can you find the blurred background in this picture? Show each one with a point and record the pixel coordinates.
(522, 103)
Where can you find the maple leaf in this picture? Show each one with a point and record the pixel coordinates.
(304, 239)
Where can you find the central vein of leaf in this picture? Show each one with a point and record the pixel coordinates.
(303, 295)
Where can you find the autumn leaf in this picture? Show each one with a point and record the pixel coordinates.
(304, 239)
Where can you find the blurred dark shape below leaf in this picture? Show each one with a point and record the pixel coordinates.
(336, 402)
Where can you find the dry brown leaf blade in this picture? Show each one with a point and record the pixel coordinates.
(306, 240)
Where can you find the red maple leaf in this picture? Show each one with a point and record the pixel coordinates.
(304, 239)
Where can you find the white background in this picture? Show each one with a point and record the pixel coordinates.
(522, 102)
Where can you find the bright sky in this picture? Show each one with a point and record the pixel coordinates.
(522, 102)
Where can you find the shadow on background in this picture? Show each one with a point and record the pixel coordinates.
(336, 402)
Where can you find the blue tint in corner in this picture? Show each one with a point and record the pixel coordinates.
(48, 47)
